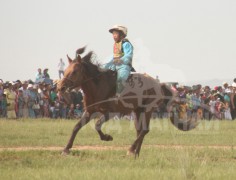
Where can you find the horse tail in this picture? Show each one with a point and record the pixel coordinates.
(80, 50)
(168, 95)
(169, 101)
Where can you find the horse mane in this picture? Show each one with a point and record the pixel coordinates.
(87, 58)
(90, 65)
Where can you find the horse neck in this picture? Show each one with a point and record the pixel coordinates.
(98, 91)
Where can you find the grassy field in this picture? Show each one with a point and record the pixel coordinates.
(207, 152)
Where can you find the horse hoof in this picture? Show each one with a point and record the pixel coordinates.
(136, 155)
(107, 137)
(130, 153)
(65, 152)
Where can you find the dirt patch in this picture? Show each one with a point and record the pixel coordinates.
(101, 148)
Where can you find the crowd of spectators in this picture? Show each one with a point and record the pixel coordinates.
(28, 99)
(205, 102)
(41, 99)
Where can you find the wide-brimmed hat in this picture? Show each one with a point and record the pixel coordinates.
(123, 29)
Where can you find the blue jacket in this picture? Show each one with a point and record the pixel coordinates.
(126, 59)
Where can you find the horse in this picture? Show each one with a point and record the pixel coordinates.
(141, 95)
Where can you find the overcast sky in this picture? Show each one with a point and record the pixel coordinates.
(177, 40)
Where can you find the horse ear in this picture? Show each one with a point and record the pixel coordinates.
(78, 58)
(69, 59)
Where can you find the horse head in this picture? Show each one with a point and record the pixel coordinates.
(74, 74)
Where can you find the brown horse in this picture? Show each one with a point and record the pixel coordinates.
(141, 95)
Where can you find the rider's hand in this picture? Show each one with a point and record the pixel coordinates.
(117, 61)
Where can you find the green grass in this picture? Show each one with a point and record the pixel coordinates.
(47, 132)
(154, 163)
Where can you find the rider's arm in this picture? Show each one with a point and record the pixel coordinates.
(128, 53)
(110, 64)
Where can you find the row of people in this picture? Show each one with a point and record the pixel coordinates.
(23, 100)
(216, 103)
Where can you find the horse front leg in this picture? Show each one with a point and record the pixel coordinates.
(83, 121)
(98, 127)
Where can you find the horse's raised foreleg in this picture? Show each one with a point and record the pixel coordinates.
(83, 121)
(98, 127)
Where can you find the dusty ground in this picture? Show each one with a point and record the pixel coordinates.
(100, 148)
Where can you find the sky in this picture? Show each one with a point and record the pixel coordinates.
(176, 40)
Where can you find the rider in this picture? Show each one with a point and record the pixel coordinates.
(121, 60)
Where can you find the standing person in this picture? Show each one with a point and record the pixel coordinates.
(227, 113)
(1, 97)
(122, 56)
(225, 87)
(25, 110)
(11, 97)
(196, 102)
(32, 101)
(53, 94)
(61, 67)
(77, 97)
(57, 108)
(227, 96)
(233, 101)
(45, 73)
(212, 105)
(63, 105)
(39, 75)
(46, 101)
(15, 88)
(41, 102)
(21, 102)
(4, 106)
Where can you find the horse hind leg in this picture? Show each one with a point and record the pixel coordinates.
(98, 127)
(140, 141)
(138, 127)
(136, 147)
(142, 122)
